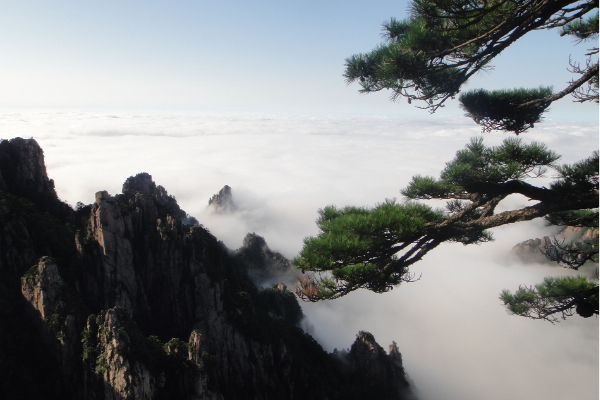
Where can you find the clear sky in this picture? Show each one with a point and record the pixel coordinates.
(237, 55)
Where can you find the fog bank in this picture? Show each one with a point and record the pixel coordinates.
(457, 340)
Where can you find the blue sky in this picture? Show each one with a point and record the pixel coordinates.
(236, 55)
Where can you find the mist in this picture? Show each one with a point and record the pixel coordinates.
(456, 338)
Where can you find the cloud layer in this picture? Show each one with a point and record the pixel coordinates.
(456, 338)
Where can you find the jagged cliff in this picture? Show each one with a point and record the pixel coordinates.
(130, 298)
(222, 202)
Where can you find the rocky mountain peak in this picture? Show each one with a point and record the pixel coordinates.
(142, 189)
(395, 354)
(126, 301)
(530, 251)
(265, 267)
(254, 242)
(142, 182)
(365, 347)
(367, 358)
(23, 170)
(223, 201)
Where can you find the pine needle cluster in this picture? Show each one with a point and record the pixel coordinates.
(373, 248)
(430, 55)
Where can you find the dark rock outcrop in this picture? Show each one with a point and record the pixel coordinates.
(222, 202)
(23, 170)
(23, 173)
(368, 359)
(265, 267)
(125, 301)
(577, 237)
(529, 250)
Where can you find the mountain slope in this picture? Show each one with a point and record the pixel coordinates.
(124, 299)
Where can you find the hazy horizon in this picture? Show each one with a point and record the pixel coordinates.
(264, 56)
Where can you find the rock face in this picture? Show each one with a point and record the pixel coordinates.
(23, 170)
(265, 267)
(529, 250)
(126, 301)
(368, 359)
(23, 173)
(222, 202)
(42, 287)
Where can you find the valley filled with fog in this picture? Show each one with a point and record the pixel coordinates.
(457, 340)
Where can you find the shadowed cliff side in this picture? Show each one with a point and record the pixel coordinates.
(265, 267)
(122, 300)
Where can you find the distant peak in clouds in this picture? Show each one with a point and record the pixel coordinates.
(222, 202)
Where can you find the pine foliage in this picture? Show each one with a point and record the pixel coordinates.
(356, 244)
(429, 56)
(513, 110)
(582, 29)
(478, 165)
(372, 248)
(564, 295)
(581, 177)
(579, 218)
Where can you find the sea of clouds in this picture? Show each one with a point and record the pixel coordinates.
(457, 341)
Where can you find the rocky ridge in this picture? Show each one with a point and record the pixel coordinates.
(121, 299)
(530, 250)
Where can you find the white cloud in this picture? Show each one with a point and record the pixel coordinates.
(456, 338)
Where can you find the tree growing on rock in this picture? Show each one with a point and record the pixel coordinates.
(427, 58)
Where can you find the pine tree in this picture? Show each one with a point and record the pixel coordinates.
(428, 57)
(432, 54)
